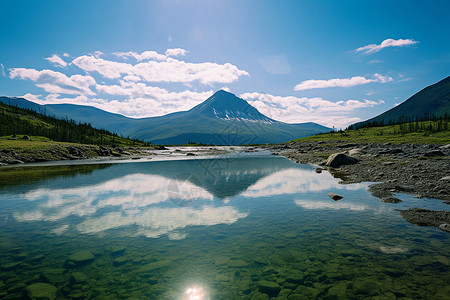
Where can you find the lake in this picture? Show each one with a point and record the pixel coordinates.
(238, 226)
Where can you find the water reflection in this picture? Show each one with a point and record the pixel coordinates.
(164, 198)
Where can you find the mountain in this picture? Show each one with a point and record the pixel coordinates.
(223, 119)
(433, 100)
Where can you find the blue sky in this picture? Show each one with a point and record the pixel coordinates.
(330, 62)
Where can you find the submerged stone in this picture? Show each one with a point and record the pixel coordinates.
(41, 291)
(80, 257)
(366, 287)
(78, 277)
(295, 277)
(238, 263)
(154, 266)
(11, 266)
(118, 250)
(269, 287)
(120, 261)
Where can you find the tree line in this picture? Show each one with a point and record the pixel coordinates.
(24, 121)
(427, 123)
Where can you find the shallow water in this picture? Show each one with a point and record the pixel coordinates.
(238, 227)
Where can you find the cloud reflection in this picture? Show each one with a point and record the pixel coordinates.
(312, 204)
(133, 200)
(155, 221)
(293, 181)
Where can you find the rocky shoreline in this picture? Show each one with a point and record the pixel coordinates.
(62, 152)
(422, 170)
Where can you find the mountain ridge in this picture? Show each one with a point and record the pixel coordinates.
(222, 119)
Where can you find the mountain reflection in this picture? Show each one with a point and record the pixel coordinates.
(163, 198)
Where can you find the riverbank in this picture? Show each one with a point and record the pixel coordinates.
(28, 153)
(14, 152)
(422, 170)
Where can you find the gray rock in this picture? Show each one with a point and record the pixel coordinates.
(335, 197)
(445, 227)
(339, 159)
(434, 153)
(425, 217)
(446, 178)
(391, 200)
(41, 291)
(354, 151)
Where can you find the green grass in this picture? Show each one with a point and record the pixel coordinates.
(42, 148)
(383, 134)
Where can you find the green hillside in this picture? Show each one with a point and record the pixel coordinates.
(431, 102)
(15, 121)
(429, 132)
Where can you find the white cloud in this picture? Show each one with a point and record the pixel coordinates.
(66, 55)
(292, 109)
(123, 85)
(97, 54)
(3, 70)
(340, 82)
(382, 78)
(176, 52)
(57, 61)
(140, 100)
(33, 98)
(55, 82)
(146, 55)
(161, 69)
(372, 48)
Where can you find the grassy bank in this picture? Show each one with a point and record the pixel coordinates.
(37, 148)
(393, 134)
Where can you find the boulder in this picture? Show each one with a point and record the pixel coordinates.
(339, 159)
(41, 291)
(335, 197)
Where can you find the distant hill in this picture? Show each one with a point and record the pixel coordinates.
(433, 100)
(223, 119)
(29, 119)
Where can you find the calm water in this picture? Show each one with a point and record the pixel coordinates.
(247, 227)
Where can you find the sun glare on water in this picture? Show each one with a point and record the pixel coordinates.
(195, 293)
